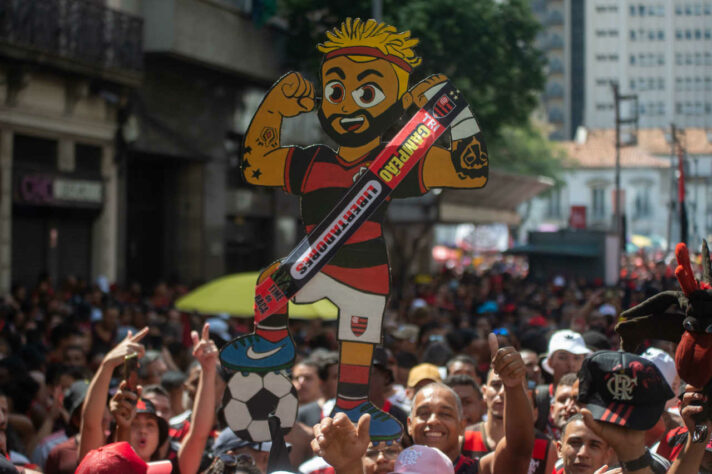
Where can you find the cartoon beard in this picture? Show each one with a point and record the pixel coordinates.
(377, 126)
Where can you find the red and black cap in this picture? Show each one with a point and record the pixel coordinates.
(623, 389)
(147, 407)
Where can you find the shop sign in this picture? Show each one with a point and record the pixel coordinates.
(47, 190)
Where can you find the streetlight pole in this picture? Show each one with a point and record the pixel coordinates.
(631, 121)
(617, 208)
(377, 10)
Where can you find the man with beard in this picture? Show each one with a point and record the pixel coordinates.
(364, 90)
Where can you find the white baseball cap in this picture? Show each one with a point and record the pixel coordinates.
(565, 340)
(664, 363)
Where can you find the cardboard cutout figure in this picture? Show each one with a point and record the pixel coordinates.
(364, 90)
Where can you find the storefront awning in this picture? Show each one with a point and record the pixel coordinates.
(495, 203)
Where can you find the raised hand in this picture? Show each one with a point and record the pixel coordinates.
(507, 362)
(291, 95)
(130, 345)
(204, 349)
(122, 405)
(418, 91)
(340, 443)
(628, 444)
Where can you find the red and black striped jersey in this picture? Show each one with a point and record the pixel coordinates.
(321, 177)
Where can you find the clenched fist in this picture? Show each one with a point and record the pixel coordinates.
(291, 95)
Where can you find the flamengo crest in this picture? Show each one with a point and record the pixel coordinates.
(621, 386)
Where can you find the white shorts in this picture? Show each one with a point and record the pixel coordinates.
(360, 313)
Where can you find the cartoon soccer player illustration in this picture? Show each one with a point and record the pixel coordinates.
(364, 90)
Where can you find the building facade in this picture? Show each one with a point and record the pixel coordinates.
(562, 40)
(648, 182)
(66, 68)
(659, 50)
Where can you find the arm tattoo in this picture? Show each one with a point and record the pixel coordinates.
(469, 158)
(269, 137)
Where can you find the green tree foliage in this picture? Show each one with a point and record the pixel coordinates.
(484, 46)
(526, 150)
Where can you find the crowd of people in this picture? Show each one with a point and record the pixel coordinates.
(487, 372)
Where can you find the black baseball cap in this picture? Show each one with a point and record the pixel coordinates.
(623, 389)
(146, 406)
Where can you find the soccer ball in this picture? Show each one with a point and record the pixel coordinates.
(253, 397)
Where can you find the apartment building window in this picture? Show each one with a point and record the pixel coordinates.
(632, 59)
(651, 35)
(661, 59)
(708, 83)
(632, 10)
(632, 84)
(553, 203)
(642, 200)
(678, 9)
(708, 58)
(698, 9)
(698, 34)
(661, 83)
(641, 10)
(598, 202)
(661, 35)
(678, 34)
(698, 58)
(678, 59)
(688, 34)
(688, 9)
(708, 8)
(708, 34)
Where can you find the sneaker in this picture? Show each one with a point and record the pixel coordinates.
(383, 426)
(254, 353)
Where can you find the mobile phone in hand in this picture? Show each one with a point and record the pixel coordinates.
(131, 372)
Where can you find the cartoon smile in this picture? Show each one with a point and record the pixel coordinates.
(351, 124)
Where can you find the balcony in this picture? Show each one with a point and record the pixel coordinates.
(554, 18)
(554, 90)
(215, 34)
(80, 36)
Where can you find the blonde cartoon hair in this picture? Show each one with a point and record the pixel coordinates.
(367, 41)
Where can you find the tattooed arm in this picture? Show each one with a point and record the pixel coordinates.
(263, 158)
(466, 163)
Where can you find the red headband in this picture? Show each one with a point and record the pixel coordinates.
(369, 51)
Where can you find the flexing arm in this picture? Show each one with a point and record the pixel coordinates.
(192, 447)
(466, 163)
(263, 157)
(91, 432)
